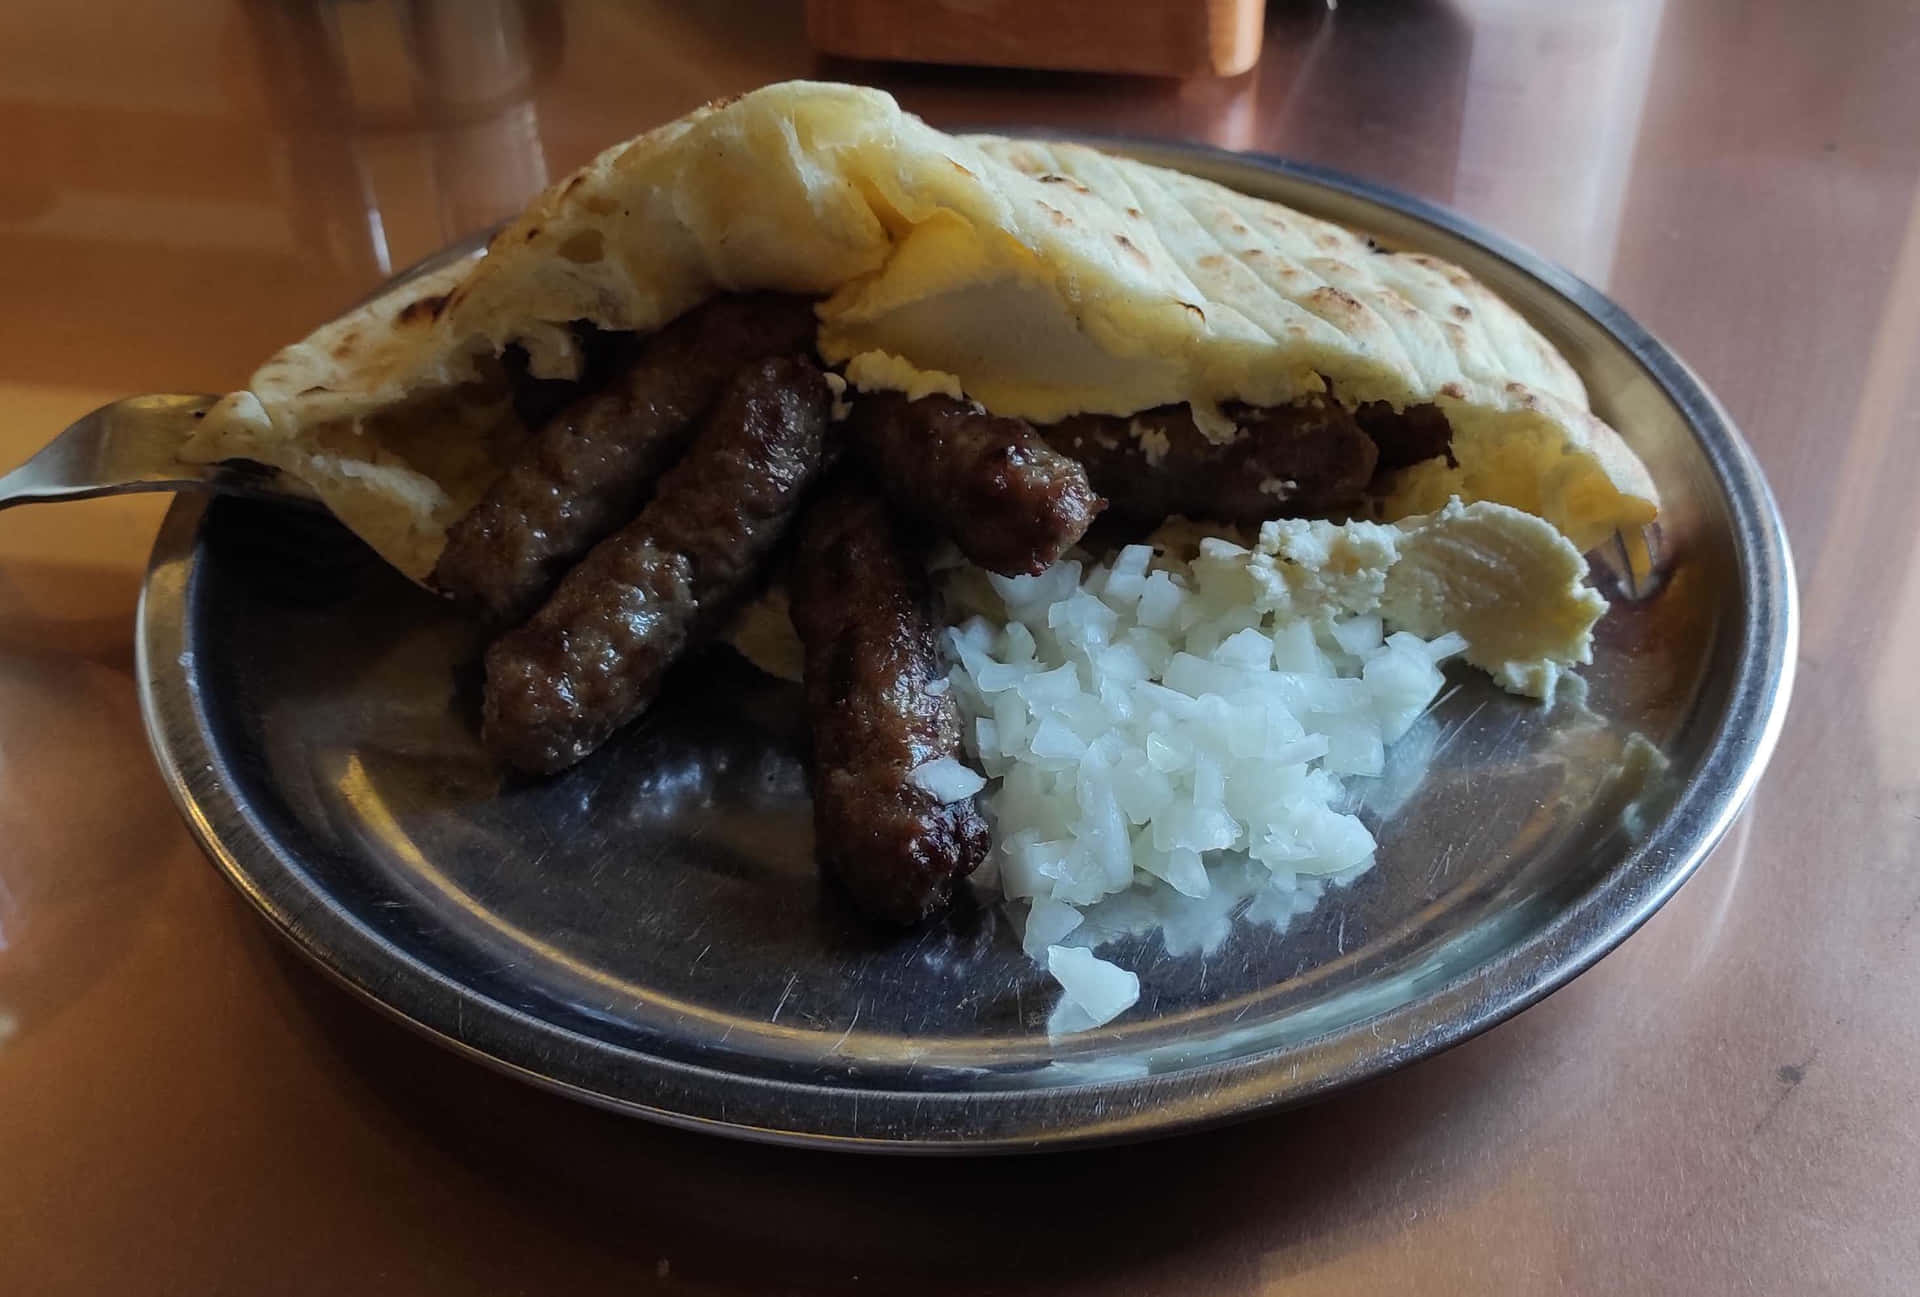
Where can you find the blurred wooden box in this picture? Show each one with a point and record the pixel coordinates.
(1169, 38)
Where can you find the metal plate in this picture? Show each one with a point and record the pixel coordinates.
(647, 931)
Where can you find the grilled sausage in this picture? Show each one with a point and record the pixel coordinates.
(1406, 437)
(861, 606)
(591, 659)
(1285, 460)
(591, 467)
(1008, 500)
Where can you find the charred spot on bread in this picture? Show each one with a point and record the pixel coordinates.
(423, 310)
(583, 246)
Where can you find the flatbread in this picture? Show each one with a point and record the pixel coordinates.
(1040, 279)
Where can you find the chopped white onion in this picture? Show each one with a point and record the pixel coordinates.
(1150, 723)
(1047, 922)
(1102, 990)
(945, 780)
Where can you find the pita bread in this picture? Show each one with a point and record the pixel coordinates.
(1039, 279)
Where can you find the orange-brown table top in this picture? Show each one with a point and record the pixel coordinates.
(1729, 1103)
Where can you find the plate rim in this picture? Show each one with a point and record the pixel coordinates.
(1080, 1114)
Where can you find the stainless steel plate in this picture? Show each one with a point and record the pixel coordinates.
(647, 931)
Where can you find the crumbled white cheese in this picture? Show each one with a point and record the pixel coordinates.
(1307, 568)
(1213, 422)
(1507, 581)
(880, 371)
(1153, 442)
(1513, 587)
(840, 409)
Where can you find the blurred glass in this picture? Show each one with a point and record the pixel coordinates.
(1554, 96)
(404, 123)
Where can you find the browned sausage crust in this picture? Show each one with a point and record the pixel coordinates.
(1008, 500)
(1285, 461)
(591, 659)
(590, 468)
(861, 606)
(1406, 437)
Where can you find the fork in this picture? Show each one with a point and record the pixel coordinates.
(134, 445)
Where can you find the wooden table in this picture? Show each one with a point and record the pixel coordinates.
(1727, 1104)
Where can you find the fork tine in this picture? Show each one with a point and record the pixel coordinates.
(133, 445)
